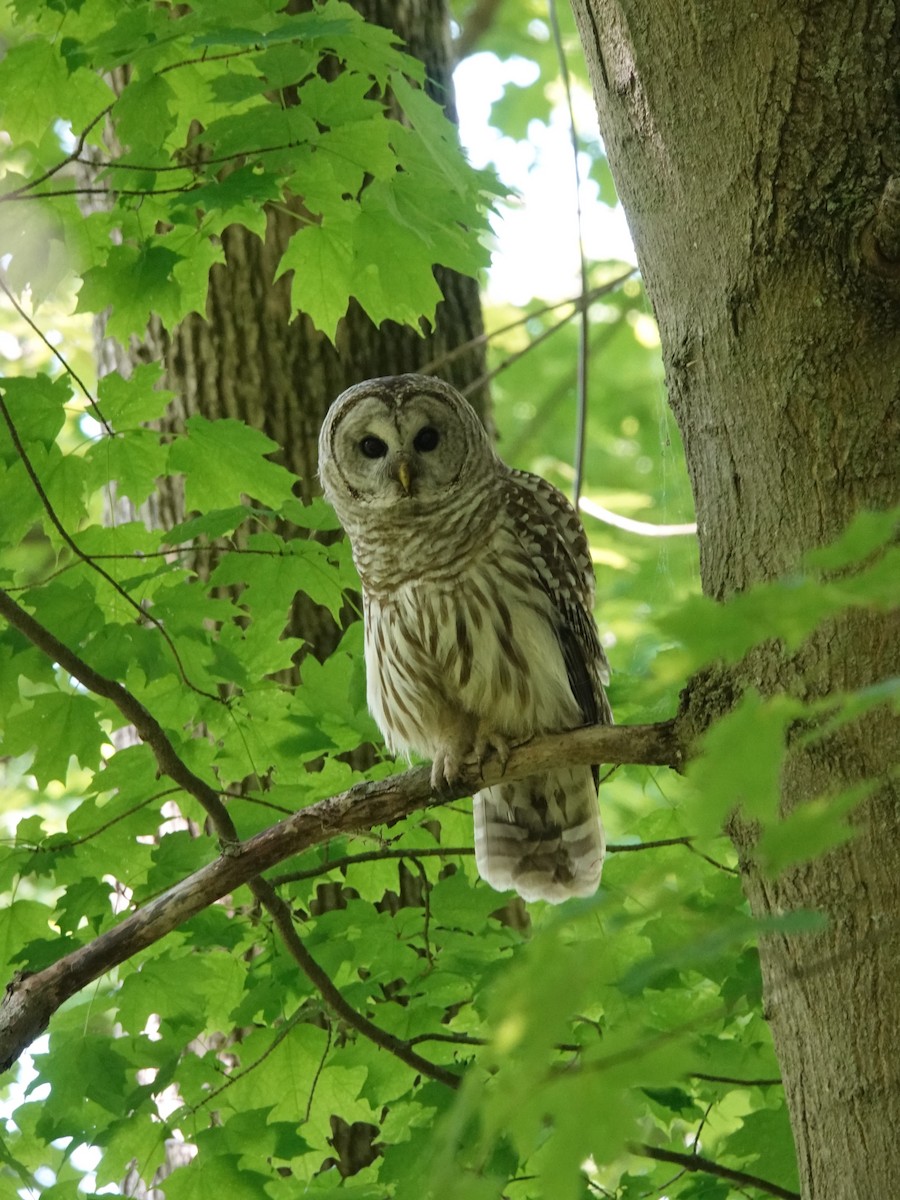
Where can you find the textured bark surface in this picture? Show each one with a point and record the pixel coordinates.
(753, 148)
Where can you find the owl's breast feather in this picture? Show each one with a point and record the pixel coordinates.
(480, 645)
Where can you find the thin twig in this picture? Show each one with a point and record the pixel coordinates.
(284, 922)
(417, 852)
(387, 852)
(88, 560)
(212, 161)
(66, 366)
(455, 1039)
(87, 837)
(57, 193)
(75, 153)
(658, 844)
(480, 339)
(713, 862)
(319, 1069)
(479, 19)
(513, 358)
(468, 1039)
(695, 1140)
(280, 1034)
(737, 1082)
(54, 170)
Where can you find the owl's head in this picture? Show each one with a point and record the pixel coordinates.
(404, 442)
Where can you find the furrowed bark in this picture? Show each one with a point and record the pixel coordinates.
(755, 151)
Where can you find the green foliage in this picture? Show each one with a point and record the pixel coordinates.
(631, 1019)
(211, 122)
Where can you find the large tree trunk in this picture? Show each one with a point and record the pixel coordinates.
(752, 146)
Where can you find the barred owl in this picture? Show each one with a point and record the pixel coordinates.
(478, 590)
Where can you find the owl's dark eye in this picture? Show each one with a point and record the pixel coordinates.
(373, 447)
(426, 439)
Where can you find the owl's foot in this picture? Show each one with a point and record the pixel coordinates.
(448, 764)
(446, 768)
(487, 741)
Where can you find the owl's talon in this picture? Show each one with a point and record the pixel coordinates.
(492, 742)
(445, 771)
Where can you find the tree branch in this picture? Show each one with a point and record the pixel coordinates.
(31, 1000)
(64, 162)
(402, 852)
(281, 914)
(737, 1082)
(65, 983)
(695, 1162)
(66, 366)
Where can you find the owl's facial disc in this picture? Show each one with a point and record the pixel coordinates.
(401, 454)
(408, 443)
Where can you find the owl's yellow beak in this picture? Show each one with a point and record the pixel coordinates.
(400, 471)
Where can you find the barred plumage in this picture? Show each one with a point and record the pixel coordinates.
(478, 591)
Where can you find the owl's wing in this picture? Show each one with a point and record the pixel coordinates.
(551, 534)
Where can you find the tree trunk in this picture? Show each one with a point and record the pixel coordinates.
(752, 147)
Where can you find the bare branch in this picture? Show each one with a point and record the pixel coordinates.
(580, 305)
(386, 852)
(63, 162)
(480, 339)
(584, 322)
(66, 366)
(417, 852)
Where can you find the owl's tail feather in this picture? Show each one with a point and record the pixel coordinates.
(541, 836)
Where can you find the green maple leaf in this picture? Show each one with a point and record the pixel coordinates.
(37, 88)
(225, 460)
(128, 402)
(36, 409)
(134, 460)
(239, 198)
(322, 259)
(134, 282)
(211, 1178)
(58, 727)
(393, 279)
